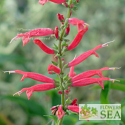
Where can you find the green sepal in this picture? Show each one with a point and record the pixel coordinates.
(55, 46)
(64, 49)
(57, 88)
(64, 44)
(66, 77)
(54, 63)
(75, 8)
(66, 40)
(68, 101)
(57, 55)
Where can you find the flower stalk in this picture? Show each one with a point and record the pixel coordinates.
(60, 61)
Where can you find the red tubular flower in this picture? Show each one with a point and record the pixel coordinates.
(35, 76)
(91, 73)
(39, 87)
(54, 107)
(60, 17)
(77, 39)
(54, 1)
(75, 21)
(74, 74)
(60, 92)
(86, 54)
(54, 68)
(71, 73)
(80, 23)
(33, 33)
(66, 91)
(68, 29)
(88, 81)
(56, 32)
(60, 113)
(43, 46)
(73, 108)
(75, 104)
(65, 4)
(72, 5)
(74, 101)
(50, 72)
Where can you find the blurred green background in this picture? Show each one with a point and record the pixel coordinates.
(107, 22)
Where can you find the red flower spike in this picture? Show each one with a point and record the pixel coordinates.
(60, 113)
(42, 2)
(88, 81)
(56, 32)
(73, 108)
(74, 101)
(68, 30)
(39, 87)
(91, 73)
(77, 1)
(33, 33)
(54, 68)
(35, 76)
(77, 39)
(86, 54)
(45, 48)
(60, 92)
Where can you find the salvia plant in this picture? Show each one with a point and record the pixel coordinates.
(66, 81)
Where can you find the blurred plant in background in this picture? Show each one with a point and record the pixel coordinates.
(106, 18)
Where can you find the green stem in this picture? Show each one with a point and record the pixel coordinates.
(60, 61)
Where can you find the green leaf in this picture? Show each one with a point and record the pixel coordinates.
(113, 122)
(123, 110)
(105, 94)
(70, 120)
(4, 120)
(52, 117)
(55, 97)
(123, 102)
(70, 112)
(30, 106)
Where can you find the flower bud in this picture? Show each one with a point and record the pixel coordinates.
(56, 32)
